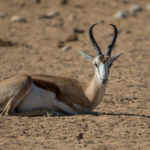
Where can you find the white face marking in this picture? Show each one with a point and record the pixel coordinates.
(102, 70)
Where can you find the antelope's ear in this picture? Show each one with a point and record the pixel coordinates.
(116, 57)
(87, 56)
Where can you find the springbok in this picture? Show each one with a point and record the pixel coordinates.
(30, 95)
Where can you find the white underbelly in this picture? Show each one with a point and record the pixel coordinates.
(40, 98)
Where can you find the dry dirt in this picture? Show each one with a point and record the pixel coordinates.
(124, 120)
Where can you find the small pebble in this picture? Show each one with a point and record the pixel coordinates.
(3, 15)
(80, 136)
(7, 43)
(60, 44)
(64, 2)
(38, 1)
(134, 9)
(49, 15)
(18, 19)
(76, 30)
(72, 37)
(66, 48)
(122, 14)
(128, 32)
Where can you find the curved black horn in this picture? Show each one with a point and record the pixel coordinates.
(111, 45)
(96, 47)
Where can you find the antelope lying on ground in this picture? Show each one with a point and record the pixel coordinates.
(29, 95)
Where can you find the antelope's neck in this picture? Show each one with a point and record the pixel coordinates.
(95, 91)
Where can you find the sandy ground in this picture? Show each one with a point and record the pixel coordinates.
(124, 120)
